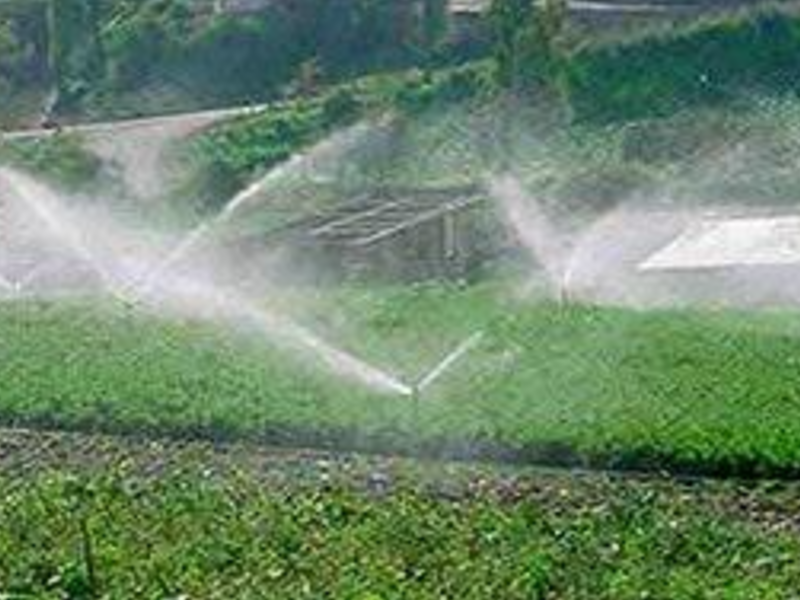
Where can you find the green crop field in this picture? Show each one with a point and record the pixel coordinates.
(158, 521)
(692, 390)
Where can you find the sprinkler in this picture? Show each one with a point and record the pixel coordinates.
(416, 402)
(13, 287)
(6, 284)
(127, 302)
(565, 291)
(564, 297)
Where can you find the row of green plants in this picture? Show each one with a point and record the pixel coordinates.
(682, 390)
(191, 533)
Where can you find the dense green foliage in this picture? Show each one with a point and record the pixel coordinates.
(75, 48)
(227, 157)
(199, 535)
(434, 24)
(154, 45)
(526, 42)
(689, 390)
(111, 56)
(659, 75)
(511, 21)
(712, 62)
(719, 60)
(22, 42)
(60, 159)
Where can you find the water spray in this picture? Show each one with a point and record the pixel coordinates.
(6, 284)
(198, 236)
(547, 244)
(37, 199)
(448, 362)
(195, 239)
(176, 256)
(417, 390)
(31, 276)
(565, 292)
(12, 288)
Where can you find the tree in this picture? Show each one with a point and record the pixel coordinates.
(511, 21)
(246, 55)
(546, 46)
(9, 51)
(528, 44)
(141, 38)
(23, 42)
(434, 23)
(353, 35)
(76, 53)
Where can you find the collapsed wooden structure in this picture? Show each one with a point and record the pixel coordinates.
(400, 234)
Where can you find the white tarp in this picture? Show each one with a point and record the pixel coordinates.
(737, 242)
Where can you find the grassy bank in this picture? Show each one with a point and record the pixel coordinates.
(194, 525)
(692, 391)
(646, 86)
(59, 159)
(713, 61)
(225, 158)
(646, 113)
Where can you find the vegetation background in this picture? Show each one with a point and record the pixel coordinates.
(696, 392)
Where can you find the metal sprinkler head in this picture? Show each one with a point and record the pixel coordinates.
(127, 303)
(564, 296)
(415, 392)
(126, 297)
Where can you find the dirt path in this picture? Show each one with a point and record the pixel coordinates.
(179, 122)
(137, 148)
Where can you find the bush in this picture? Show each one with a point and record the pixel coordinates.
(133, 48)
(241, 56)
(424, 91)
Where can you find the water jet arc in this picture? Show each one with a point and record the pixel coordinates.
(197, 237)
(535, 231)
(39, 201)
(447, 363)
